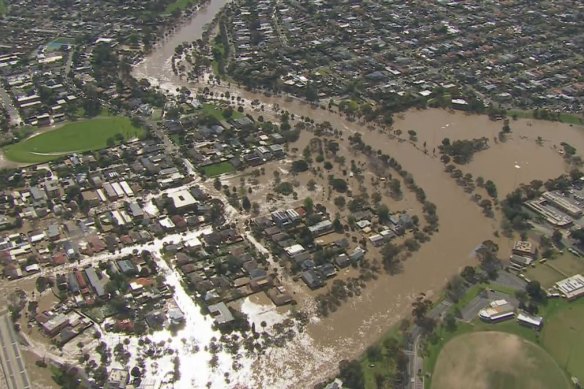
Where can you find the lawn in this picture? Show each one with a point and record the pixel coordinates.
(218, 169)
(496, 360)
(73, 137)
(2, 7)
(563, 336)
(178, 5)
(555, 269)
(216, 112)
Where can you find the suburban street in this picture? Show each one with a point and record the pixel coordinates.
(12, 362)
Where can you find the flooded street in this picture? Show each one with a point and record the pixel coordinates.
(462, 227)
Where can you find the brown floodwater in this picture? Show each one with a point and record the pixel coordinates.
(360, 322)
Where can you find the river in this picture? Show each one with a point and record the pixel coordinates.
(346, 333)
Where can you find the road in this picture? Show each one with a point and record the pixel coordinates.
(10, 108)
(12, 362)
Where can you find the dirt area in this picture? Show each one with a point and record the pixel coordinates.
(485, 360)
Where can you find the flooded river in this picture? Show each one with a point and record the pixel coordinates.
(347, 332)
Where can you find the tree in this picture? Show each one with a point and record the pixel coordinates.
(217, 183)
(340, 201)
(491, 188)
(374, 353)
(578, 235)
(450, 322)
(382, 213)
(351, 374)
(469, 274)
(557, 236)
(534, 291)
(390, 257)
(339, 185)
(245, 203)
(308, 205)
(299, 166)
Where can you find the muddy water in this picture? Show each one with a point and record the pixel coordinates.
(347, 332)
(519, 159)
(157, 65)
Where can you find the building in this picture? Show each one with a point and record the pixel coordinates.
(95, 282)
(321, 228)
(118, 379)
(520, 260)
(294, 250)
(528, 320)
(523, 248)
(90, 197)
(563, 204)
(571, 288)
(497, 310)
(221, 313)
(182, 200)
(312, 279)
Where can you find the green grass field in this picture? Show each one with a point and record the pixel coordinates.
(2, 8)
(73, 137)
(564, 117)
(556, 269)
(563, 336)
(178, 5)
(216, 112)
(218, 169)
(496, 360)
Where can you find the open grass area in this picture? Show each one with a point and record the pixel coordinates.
(563, 336)
(496, 360)
(556, 269)
(216, 112)
(178, 5)
(218, 169)
(81, 136)
(564, 117)
(3, 8)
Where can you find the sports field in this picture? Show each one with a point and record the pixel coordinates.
(496, 360)
(563, 337)
(73, 137)
(218, 169)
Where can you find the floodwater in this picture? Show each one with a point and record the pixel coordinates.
(157, 65)
(347, 332)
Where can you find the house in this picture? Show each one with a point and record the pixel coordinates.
(118, 379)
(321, 228)
(221, 313)
(90, 197)
(342, 260)
(312, 279)
(96, 283)
(53, 232)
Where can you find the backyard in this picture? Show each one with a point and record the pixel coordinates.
(74, 137)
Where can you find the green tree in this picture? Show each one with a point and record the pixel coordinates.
(245, 203)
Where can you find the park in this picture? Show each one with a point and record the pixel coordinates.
(74, 137)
